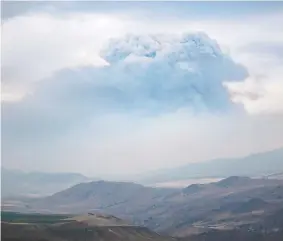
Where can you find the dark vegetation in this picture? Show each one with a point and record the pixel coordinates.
(35, 218)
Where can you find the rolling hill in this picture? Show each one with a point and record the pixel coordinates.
(102, 196)
(82, 228)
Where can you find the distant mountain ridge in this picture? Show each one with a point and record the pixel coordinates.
(15, 182)
(254, 165)
(268, 164)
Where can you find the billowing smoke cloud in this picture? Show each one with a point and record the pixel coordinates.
(146, 74)
(125, 114)
(151, 74)
(170, 72)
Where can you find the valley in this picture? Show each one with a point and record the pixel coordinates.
(236, 207)
(234, 203)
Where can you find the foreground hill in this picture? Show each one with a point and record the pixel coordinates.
(97, 227)
(86, 227)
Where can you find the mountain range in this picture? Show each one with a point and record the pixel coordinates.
(254, 165)
(229, 203)
(19, 183)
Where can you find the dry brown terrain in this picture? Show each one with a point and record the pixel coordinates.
(88, 227)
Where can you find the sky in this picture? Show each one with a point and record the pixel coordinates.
(121, 88)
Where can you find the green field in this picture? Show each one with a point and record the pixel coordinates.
(14, 217)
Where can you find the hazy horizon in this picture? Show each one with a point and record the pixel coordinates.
(104, 88)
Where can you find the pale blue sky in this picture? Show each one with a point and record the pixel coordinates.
(219, 9)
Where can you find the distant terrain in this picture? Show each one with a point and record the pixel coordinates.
(184, 183)
(30, 184)
(224, 205)
(255, 165)
(216, 208)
